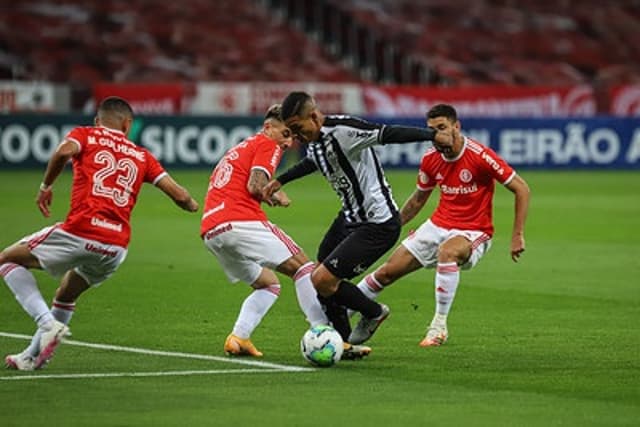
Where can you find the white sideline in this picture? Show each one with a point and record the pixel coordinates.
(265, 366)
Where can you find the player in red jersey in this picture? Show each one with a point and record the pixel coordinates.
(249, 247)
(88, 247)
(459, 232)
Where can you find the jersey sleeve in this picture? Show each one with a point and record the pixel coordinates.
(155, 171)
(358, 134)
(497, 167)
(267, 158)
(425, 181)
(79, 136)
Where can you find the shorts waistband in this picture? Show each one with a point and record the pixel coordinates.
(217, 231)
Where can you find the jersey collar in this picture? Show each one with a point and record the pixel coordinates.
(455, 159)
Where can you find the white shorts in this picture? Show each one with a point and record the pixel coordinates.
(59, 252)
(425, 242)
(245, 247)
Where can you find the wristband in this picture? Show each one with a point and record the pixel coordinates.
(44, 187)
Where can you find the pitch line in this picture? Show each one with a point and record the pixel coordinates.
(141, 374)
(256, 363)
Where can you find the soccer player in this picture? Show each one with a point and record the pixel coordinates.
(460, 229)
(89, 246)
(368, 224)
(249, 247)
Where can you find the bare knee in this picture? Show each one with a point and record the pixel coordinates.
(446, 254)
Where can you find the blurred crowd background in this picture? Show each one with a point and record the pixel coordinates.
(439, 44)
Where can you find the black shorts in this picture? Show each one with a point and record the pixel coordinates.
(349, 250)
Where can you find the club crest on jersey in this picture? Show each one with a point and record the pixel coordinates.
(424, 179)
(465, 175)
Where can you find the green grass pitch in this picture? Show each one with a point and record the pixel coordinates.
(553, 340)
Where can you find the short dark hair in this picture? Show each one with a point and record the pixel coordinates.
(443, 110)
(274, 112)
(294, 104)
(114, 105)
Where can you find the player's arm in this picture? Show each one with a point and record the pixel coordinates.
(413, 205)
(258, 180)
(396, 134)
(65, 151)
(520, 189)
(304, 167)
(177, 193)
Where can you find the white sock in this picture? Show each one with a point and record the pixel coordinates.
(446, 284)
(24, 287)
(308, 297)
(370, 286)
(62, 311)
(253, 309)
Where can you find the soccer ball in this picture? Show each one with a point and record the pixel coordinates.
(321, 346)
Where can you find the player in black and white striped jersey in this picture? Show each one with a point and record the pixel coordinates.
(368, 224)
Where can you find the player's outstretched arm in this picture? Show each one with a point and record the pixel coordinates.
(521, 191)
(396, 134)
(65, 151)
(177, 193)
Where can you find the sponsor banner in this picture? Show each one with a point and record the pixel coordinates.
(193, 142)
(625, 100)
(16, 96)
(254, 98)
(178, 142)
(481, 101)
(571, 143)
(144, 98)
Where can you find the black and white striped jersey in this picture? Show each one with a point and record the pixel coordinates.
(346, 157)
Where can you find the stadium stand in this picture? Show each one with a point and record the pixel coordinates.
(526, 42)
(440, 42)
(143, 40)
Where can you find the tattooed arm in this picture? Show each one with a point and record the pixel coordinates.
(413, 205)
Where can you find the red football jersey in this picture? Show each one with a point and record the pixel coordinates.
(466, 185)
(108, 173)
(227, 198)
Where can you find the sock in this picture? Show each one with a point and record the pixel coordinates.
(370, 286)
(350, 296)
(447, 279)
(308, 297)
(337, 316)
(24, 287)
(253, 309)
(63, 311)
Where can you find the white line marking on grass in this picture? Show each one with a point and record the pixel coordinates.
(141, 374)
(273, 366)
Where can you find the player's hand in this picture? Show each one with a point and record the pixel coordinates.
(517, 247)
(280, 198)
(44, 199)
(192, 206)
(270, 189)
(444, 138)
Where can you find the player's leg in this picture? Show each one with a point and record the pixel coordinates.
(254, 308)
(399, 264)
(336, 313)
(299, 267)
(363, 246)
(14, 264)
(452, 253)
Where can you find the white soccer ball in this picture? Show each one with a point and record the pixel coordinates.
(322, 346)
